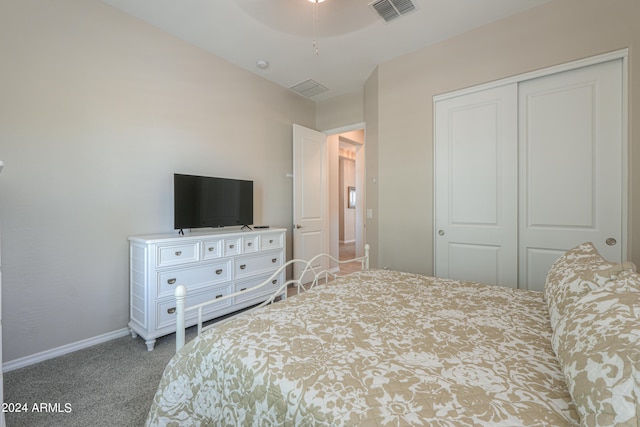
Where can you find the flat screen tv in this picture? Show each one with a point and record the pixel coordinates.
(202, 201)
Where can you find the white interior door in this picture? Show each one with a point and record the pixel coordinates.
(476, 186)
(310, 196)
(561, 159)
(570, 167)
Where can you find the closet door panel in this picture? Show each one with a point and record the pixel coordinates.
(476, 187)
(561, 158)
(570, 163)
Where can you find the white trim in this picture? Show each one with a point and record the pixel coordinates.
(343, 129)
(65, 349)
(610, 56)
(625, 155)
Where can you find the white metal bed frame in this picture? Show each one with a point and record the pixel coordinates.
(181, 291)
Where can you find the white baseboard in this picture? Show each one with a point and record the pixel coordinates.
(65, 349)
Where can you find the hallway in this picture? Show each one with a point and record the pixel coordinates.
(348, 251)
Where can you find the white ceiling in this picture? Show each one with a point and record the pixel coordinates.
(351, 38)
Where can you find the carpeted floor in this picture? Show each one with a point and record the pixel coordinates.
(110, 384)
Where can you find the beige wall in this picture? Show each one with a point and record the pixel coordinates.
(340, 111)
(347, 231)
(97, 112)
(557, 32)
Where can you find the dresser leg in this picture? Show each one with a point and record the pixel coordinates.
(133, 333)
(150, 344)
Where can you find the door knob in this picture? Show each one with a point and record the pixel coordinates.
(611, 241)
(441, 232)
(297, 226)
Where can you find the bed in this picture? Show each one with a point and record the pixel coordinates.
(378, 347)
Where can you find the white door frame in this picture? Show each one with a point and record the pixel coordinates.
(623, 55)
(360, 188)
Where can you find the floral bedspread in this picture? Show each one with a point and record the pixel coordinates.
(374, 348)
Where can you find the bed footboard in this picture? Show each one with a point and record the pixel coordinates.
(318, 275)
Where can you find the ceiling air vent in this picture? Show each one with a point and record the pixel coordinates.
(309, 88)
(391, 9)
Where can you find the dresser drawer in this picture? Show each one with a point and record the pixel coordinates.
(212, 249)
(193, 278)
(166, 310)
(256, 264)
(250, 244)
(232, 246)
(261, 294)
(272, 241)
(177, 254)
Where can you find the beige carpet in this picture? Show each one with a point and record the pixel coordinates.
(110, 384)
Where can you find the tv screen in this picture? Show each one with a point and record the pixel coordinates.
(202, 201)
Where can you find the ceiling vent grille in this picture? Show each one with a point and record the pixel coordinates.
(392, 9)
(309, 88)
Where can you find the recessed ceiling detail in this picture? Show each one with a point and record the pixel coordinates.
(335, 17)
(309, 88)
(392, 9)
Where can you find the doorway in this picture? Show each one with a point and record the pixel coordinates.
(346, 147)
(317, 194)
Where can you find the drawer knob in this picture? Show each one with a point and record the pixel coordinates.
(274, 260)
(171, 281)
(250, 244)
(274, 281)
(243, 289)
(219, 271)
(171, 310)
(178, 253)
(270, 240)
(212, 248)
(219, 296)
(243, 266)
(232, 246)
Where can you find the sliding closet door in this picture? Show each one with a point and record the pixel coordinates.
(570, 167)
(476, 186)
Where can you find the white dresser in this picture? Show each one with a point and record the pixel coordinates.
(210, 265)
